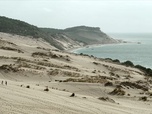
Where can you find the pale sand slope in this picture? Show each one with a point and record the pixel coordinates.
(17, 100)
(58, 70)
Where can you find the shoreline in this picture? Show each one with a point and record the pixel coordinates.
(138, 66)
(76, 51)
(91, 46)
(99, 45)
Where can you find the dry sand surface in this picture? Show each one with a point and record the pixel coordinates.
(32, 66)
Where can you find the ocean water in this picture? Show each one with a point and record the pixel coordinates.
(138, 53)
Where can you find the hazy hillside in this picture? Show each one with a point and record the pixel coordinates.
(83, 34)
(61, 39)
(88, 35)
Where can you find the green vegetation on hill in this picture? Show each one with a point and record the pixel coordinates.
(18, 27)
(83, 34)
(74, 36)
(88, 35)
(51, 30)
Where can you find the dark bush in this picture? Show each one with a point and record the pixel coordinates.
(118, 91)
(46, 89)
(128, 64)
(143, 98)
(116, 61)
(108, 59)
(27, 86)
(96, 63)
(147, 71)
(108, 84)
(140, 67)
(106, 99)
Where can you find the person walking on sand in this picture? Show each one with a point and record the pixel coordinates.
(2, 82)
(5, 82)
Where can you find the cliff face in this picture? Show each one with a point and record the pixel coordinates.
(61, 39)
(89, 35)
(63, 42)
(79, 36)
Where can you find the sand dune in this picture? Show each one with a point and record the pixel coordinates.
(16, 99)
(40, 65)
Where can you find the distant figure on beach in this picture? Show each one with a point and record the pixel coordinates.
(2, 82)
(5, 82)
(73, 94)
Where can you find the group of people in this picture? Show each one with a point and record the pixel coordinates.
(4, 82)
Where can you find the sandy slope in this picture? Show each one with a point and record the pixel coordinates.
(17, 100)
(58, 70)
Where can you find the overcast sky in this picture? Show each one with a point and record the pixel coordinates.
(109, 15)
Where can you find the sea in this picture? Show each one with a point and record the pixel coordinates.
(138, 50)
